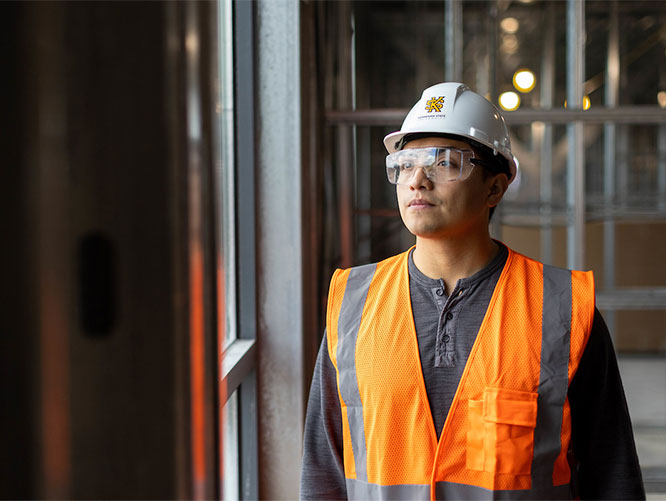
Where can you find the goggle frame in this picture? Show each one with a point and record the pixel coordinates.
(426, 158)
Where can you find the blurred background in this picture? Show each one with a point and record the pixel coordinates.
(180, 179)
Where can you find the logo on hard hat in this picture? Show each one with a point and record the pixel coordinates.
(435, 104)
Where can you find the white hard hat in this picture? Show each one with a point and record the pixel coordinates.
(452, 108)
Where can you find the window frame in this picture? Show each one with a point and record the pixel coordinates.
(239, 355)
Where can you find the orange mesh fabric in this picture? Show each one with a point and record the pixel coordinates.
(506, 366)
(400, 433)
(488, 437)
(335, 294)
(582, 316)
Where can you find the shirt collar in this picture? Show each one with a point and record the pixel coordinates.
(496, 263)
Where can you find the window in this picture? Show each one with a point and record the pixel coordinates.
(235, 269)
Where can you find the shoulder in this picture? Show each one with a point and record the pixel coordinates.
(576, 275)
(360, 277)
(369, 268)
(516, 257)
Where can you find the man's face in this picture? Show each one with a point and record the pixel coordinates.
(440, 209)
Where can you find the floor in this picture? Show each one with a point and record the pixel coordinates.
(644, 379)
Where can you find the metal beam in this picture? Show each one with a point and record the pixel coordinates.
(546, 137)
(632, 299)
(530, 216)
(661, 166)
(610, 101)
(621, 114)
(453, 41)
(576, 153)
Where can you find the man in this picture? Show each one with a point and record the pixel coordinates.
(461, 369)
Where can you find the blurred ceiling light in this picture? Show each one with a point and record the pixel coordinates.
(509, 101)
(509, 44)
(509, 24)
(192, 43)
(661, 98)
(586, 103)
(524, 80)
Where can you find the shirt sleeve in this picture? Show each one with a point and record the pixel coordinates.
(602, 436)
(322, 471)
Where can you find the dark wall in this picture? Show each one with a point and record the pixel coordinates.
(16, 322)
(94, 360)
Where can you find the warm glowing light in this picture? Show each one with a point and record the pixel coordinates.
(509, 101)
(509, 44)
(509, 24)
(524, 80)
(586, 102)
(661, 98)
(192, 43)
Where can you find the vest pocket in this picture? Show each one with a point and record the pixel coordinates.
(500, 437)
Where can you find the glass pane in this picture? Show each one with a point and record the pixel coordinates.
(399, 51)
(225, 238)
(502, 38)
(230, 455)
(538, 196)
(379, 229)
(642, 57)
(225, 174)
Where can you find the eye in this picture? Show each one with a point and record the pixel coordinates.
(406, 165)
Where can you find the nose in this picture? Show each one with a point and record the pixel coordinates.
(420, 181)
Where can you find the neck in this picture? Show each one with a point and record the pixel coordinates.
(453, 259)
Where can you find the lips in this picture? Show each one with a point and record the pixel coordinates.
(419, 202)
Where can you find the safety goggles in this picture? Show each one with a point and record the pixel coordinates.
(440, 165)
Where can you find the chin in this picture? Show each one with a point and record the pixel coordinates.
(425, 231)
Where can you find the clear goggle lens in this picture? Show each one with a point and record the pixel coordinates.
(440, 165)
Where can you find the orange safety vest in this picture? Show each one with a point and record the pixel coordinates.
(508, 430)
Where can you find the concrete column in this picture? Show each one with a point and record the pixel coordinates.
(279, 246)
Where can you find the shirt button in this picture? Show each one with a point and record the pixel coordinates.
(439, 292)
(446, 338)
(449, 316)
(460, 292)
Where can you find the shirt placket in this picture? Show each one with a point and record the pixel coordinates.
(445, 354)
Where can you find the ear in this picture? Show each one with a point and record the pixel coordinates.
(497, 187)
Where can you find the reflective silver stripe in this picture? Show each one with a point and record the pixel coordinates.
(365, 491)
(553, 378)
(447, 490)
(349, 321)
